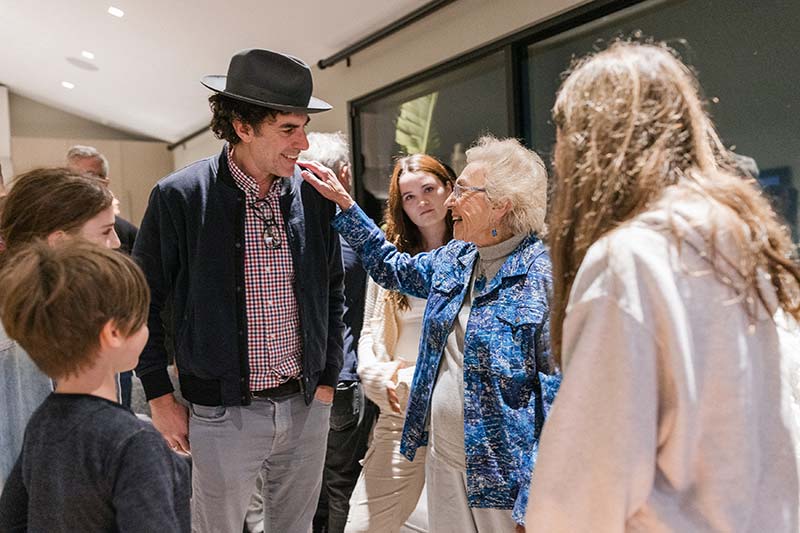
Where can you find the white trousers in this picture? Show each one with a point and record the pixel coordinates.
(448, 510)
(389, 486)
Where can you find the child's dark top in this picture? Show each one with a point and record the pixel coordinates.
(88, 464)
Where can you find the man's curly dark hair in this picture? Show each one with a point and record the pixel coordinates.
(225, 110)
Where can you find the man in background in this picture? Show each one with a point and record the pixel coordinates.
(87, 160)
(352, 414)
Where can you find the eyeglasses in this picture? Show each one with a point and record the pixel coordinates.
(263, 212)
(459, 190)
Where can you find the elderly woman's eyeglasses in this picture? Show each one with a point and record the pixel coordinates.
(458, 190)
(263, 212)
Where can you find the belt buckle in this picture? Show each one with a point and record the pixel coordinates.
(280, 391)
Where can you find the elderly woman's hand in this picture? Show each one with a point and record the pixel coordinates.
(326, 183)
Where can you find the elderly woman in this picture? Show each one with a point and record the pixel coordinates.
(484, 378)
(674, 263)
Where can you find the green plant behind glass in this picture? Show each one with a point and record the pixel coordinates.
(414, 129)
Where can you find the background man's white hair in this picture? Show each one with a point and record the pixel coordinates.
(80, 151)
(330, 149)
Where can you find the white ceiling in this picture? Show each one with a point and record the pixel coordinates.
(151, 60)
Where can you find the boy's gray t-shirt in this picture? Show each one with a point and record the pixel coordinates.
(89, 464)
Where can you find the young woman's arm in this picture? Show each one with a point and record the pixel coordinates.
(375, 372)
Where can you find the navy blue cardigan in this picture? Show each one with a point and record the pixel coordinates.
(191, 248)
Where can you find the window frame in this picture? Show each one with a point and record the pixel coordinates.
(515, 51)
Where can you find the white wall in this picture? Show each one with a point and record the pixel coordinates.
(5, 138)
(461, 26)
(201, 146)
(451, 31)
(40, 135)
(30, 118)
(135, 166)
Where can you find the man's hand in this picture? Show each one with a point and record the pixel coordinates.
(171, 419)
(326, 183)
(324, 393)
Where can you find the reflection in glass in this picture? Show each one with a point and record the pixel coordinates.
(441, 116)
(738, 49)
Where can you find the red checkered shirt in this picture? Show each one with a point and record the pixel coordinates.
(274, 342)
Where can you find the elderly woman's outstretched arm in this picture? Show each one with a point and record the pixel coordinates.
(389, 268)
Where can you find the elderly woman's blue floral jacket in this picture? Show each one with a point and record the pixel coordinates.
(510, 380)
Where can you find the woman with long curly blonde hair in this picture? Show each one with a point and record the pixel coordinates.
(675, 308)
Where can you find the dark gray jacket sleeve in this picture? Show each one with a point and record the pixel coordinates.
(334, 352)
(156, 251)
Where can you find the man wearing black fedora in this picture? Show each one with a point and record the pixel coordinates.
(245, 249)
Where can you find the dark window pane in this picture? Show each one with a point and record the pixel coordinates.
(746, 62)
(439, 116)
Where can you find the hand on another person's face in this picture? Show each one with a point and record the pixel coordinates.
(326, 183)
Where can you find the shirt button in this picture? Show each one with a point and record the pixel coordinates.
(238, 245)
(241, 333)
(239, 288)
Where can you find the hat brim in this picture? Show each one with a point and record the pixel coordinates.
(217, 84)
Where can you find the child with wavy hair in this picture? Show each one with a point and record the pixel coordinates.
(87, 464)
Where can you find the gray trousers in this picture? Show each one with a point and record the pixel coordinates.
(231, 444)
(448, 510)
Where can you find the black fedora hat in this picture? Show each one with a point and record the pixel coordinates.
(268, 79)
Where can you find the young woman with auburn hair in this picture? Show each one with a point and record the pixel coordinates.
(51, 204)
(417, 220)
(675, 308)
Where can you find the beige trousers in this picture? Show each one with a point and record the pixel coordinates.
(448, 507)
(389, 487)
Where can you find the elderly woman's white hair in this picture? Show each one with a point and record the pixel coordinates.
(516, 174)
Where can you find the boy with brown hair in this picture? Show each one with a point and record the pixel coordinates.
(87, 463)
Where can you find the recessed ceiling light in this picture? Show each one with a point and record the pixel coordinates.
(67, 85)
(82, 64)
(87, 54)
(117, 12)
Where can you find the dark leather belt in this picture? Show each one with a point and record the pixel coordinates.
(284, 389)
